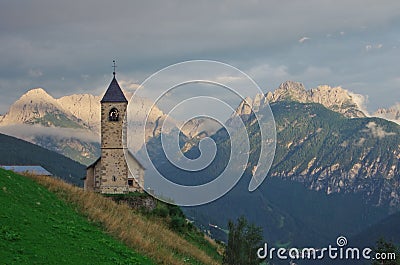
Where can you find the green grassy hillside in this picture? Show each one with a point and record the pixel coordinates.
(44, 220)
(38, 228)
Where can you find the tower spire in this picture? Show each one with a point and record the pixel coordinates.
(114, 66)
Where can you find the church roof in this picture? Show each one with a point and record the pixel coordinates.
(130, 155)
(94, 163)
(114, 93)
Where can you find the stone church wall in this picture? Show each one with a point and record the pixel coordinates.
(111, 131)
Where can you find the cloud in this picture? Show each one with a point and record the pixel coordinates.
(84, 77)
(29, 132)
(360, 142)
(223, 79)
(303, 39)
(273, 76)
(129, 85)
(370, 47)
(315, 73)
(63, 41)
(269, 73)
(361, 102)
(35, 73)
(376, 131)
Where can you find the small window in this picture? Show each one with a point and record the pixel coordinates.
(130, 182)
(113, 115)
(114, 178)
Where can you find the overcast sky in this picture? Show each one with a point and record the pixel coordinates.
(67, 47)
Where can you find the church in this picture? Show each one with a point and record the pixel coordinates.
(110, 174)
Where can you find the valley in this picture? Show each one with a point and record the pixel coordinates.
(335, 166)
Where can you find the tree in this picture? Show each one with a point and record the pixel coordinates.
(385, 247)
(243, 242)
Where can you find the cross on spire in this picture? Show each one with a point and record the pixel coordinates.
(114, 66)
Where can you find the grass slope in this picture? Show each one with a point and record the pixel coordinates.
(151, 238)
(154, 239)
(38, 228)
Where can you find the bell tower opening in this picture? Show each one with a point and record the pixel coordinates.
(113, 115)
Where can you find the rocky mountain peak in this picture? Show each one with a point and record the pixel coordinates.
(30, 107)
(85, 107)
(334, 98)
(392, 113)
(37, 95)
(338, 99)
(37, 90)
(288, 90)
(292, 86)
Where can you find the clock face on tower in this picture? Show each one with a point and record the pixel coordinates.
(113, 115)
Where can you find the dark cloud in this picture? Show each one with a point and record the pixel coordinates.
(67, 46)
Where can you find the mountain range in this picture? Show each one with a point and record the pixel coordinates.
(15, 151)
(335, 171)
(334, 98)
(336, 168)
(325, 141)
(70, 124)
(331, 175)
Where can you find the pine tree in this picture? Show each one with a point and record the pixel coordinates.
(385, 247)
(243, 242)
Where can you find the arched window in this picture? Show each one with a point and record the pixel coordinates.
(114, 178)
(113, 115)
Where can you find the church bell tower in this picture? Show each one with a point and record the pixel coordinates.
(114, 170)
